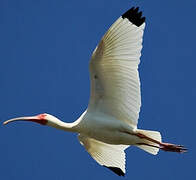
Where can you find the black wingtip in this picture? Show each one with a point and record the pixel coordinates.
(134, 16)
(116, 170)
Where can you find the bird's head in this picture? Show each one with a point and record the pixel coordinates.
(43, 119)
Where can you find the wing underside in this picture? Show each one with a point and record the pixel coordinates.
(115, 84)
(107, 155)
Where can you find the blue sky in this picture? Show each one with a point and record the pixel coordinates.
(45, 49)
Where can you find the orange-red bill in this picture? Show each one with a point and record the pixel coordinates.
(36, 119)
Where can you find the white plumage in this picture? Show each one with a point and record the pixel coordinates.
(105, 154)
(115, 85)
(109, 125)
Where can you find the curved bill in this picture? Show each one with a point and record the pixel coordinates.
(30, 118)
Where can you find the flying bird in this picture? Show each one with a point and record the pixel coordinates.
(109, 124)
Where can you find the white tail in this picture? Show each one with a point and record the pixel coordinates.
(153, 135)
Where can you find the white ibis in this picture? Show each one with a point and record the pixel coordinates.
(109, 125)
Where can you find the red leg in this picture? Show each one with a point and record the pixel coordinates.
(164, 146)
(173, 147)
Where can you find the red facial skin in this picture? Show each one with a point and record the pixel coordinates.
(40, 119)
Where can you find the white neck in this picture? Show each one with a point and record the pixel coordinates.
(71, 127)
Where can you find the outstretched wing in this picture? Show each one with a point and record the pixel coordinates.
(107, 155)
(115, 84)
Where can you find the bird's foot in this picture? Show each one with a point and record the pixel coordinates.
(173, 147)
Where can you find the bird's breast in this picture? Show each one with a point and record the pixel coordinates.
(107, 130)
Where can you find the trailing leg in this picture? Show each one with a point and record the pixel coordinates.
(153, 139)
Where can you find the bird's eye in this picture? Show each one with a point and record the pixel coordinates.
(42, 116)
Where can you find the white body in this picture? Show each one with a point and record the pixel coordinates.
(106, 128)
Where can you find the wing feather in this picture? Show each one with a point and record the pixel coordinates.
(107, 155)
(115, 84)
